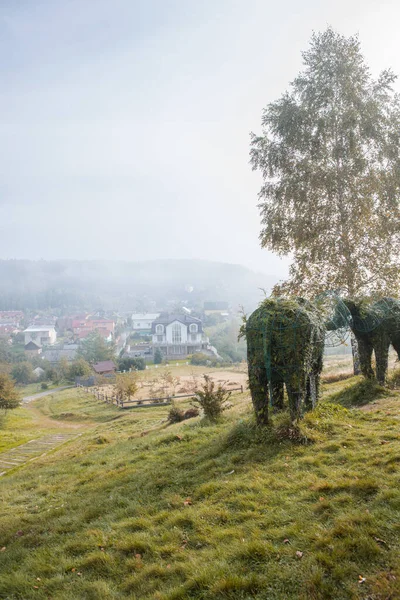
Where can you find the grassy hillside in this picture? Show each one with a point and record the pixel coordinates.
(138, 509)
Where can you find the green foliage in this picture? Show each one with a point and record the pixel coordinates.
(285, 342)
(44, 385)
(79, 368)
(8, 394)
(211, 398)
(22, 372)
(200, 359)
(175, 414)
(158, 357)
(329, 156)
(126, 363)
(95, 349)
(224, 336)
(126, 385)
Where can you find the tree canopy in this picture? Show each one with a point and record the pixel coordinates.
(94, 348)
(8, 394)
(329, 158)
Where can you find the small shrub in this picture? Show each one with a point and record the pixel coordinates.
(175, 414)
(205, 360)
(44, 386)
(158, 357)
(211, 398)
(190, 413)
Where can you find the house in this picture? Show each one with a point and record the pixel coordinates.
(105, 367)
(33, 349)
(83, 326)
(42, 335)
(142, 322)
(178, 335)
(54, 355)
(11, 317)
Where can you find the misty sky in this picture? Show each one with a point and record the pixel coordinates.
(125, 124)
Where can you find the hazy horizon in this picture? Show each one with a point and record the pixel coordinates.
(126, 128)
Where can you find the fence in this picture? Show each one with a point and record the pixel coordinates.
(143, 402)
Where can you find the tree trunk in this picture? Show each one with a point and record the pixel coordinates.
(356, 357)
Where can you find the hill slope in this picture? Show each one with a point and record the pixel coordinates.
(205, 512)
(126, 285)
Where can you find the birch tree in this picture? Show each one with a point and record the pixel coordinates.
(329, 159)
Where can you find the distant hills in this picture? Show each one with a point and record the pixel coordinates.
(120, 285)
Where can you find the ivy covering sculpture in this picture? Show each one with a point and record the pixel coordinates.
(375, 326)
(285, 343)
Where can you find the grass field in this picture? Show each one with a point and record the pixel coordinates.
(136, 508)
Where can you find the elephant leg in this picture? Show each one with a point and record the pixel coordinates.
(296, 390)
(395, 339)
(365, 349)
(277, 395)
(381, 349)
(258, 381)
(311, 397)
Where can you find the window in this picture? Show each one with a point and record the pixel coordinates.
(159, 329)
(193, 328)
(176, 333)
(193, 337)
(160, 338)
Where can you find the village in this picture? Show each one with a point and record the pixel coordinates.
(127, 341)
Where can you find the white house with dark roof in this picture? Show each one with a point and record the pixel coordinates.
(179, 335)
(41, 335)
(142, 322)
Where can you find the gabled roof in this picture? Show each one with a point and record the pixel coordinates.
(144, 316)
(32, 346)
(168, 319)
(104, 366)
(39, 328)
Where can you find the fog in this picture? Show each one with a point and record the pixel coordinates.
(125, 125)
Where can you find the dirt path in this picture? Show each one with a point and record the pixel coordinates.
(28, 399)
(31, 450)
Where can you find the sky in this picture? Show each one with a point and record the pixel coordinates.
(125, 125)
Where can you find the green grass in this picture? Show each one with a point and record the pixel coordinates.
(35, 388)
(207, 511)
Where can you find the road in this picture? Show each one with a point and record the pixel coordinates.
(28, 399)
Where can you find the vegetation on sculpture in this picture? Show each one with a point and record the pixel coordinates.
(375, 326)
(285, 343)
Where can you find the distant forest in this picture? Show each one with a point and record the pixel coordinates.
(92, 285)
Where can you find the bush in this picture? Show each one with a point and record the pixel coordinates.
(127, 363)
(22, 372)
(211, 398)
(158, 357)
(79, 368)
(44, 386)
(175, 414)
(8, 395)
(204, 360)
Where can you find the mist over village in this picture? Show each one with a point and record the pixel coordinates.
(200, 300)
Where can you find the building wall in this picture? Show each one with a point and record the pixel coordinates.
(47, 337)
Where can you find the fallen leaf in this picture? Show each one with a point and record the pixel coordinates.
(168, 566)
(286, 541)
(380, 541)
(138, 556)
(38, 579)
(73, 570)
(187, 502)
(35, 587)
(179, 437)
(231, 472)
(361, 579)
(3, 549)
(321, 498)
(299, 554)
(384, 442)
(19, 533)
(79, 573)
(286, 465)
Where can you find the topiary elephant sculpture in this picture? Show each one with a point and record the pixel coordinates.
(375, 326)
(285, 343)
